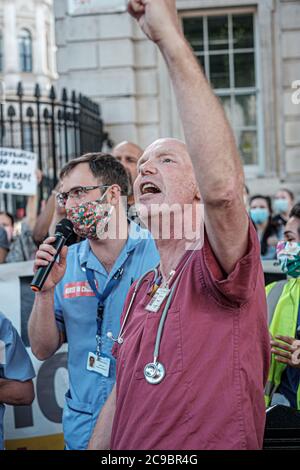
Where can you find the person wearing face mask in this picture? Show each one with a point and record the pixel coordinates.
(282, 205)
(267, 230)
(283, 386)
(83, 296)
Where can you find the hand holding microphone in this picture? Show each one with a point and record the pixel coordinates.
(48, 272)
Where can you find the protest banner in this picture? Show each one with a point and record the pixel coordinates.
(17, 171)
(37, 426)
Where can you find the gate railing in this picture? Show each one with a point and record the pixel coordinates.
(57, 130)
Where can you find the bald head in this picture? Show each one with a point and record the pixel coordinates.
(128, 154)
(167, 146)
(175, 145)
(166, 164)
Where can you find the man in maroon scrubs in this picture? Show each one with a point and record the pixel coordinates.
(200, 384)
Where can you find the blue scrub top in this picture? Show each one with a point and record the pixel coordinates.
(15, 363)
(76, 310)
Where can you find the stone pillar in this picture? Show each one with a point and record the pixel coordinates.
(10, 45)
(40, 49)
(52, 49)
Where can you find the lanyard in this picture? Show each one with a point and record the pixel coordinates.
(90, 274)
(154, 372)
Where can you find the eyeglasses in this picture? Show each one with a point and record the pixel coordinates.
(76, 193)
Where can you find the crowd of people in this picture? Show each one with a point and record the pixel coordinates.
(178, 325)
(19, 242)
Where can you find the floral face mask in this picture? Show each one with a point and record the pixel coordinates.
(90, 219)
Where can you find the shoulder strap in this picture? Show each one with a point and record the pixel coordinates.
(273, 298)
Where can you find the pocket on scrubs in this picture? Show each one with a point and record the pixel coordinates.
(170, 354)
(77, 423)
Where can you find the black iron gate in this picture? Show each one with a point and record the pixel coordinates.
(57, 130)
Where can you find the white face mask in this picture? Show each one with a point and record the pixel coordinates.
(281, 206)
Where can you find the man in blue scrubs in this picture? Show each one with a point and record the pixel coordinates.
(16, 371)
(82, 299)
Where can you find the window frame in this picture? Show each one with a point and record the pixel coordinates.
(26, 54)
(1, 52)
(167, 98)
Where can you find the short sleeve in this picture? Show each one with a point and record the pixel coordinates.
(237, 287)
(60, 322)
(15, 361)
(3, 239)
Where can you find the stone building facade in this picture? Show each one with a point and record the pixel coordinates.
(249, 49)
(27, 44)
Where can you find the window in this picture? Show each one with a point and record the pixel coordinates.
(25, 51)
(48, 52)
(225, 47)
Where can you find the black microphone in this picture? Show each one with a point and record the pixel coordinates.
(63, 230)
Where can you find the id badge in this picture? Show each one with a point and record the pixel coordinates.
(157, 300)
(100, 365)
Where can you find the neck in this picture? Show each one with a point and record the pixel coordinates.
(173, 246)
(110, 246)
(107, 251)
(171, 252)
(262, 227)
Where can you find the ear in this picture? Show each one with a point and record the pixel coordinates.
(114, 195)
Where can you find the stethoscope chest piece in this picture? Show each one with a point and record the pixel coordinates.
(154, 372)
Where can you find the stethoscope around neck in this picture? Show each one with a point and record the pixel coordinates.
(154, 372)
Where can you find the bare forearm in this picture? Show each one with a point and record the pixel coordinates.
(13, 392)
(42, 329)
(31, 211)
(43, 222)
(213, 151)
(102, 433)
(208, 135)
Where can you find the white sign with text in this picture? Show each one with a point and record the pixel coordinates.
(17, 171)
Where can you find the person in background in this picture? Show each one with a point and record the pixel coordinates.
(16, 371)
(45, 218)
(267, 231)
(21, 246)
(49, 218)
(284, 320)
(4, 245)
(128, 154)
(21, 243)
(282, 205)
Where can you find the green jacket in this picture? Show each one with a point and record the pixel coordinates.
(282, 321)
